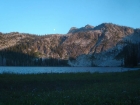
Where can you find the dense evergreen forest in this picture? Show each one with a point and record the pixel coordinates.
(131, 55)
(14, 57)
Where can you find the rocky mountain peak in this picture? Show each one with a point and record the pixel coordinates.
(72, 29)
(102, 41)
(103, 26)
(89, 26)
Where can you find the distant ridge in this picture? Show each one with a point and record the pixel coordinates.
(104, 41)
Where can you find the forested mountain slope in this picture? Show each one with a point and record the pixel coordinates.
(86, 46)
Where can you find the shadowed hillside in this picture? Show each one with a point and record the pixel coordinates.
(97, 46)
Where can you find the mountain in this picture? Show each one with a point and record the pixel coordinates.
(105, 43)
(74, 29)
(87, 46)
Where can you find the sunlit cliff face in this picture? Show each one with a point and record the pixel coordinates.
(78, 41)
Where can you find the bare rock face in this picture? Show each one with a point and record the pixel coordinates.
(72, 29)
(101, 41)
(82, 29)
(97, 39)
(10, 39)
(107, 40)
(89, 26)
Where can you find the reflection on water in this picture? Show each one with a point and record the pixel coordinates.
(35, 70)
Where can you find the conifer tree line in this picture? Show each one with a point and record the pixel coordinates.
(14, 57)
(131, 54)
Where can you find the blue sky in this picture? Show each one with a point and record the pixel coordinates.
(58, 16)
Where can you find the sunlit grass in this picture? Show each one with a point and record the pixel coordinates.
(70, 89)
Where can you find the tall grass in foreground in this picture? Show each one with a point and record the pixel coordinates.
(70, 89)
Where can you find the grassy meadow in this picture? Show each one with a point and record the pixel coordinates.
(70, 89)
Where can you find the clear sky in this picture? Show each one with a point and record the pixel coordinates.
(58, 16)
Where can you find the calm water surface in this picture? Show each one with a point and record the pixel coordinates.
(35, 70)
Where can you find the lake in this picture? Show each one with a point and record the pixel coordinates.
(35, 70)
